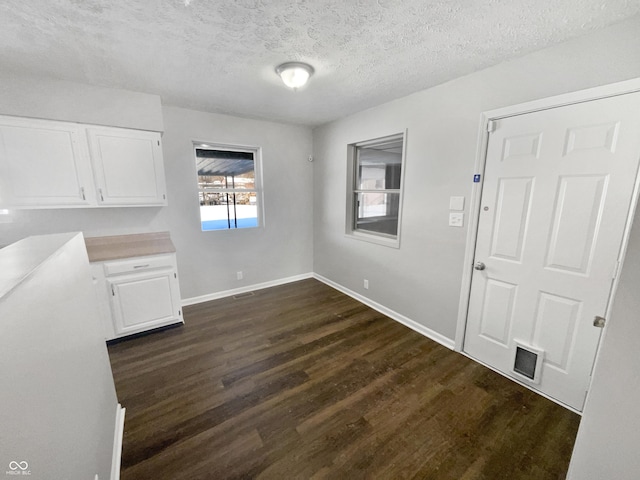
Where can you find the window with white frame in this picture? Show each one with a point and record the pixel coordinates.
(375, 188)
(228, 187)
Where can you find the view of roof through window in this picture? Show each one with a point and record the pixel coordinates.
(227, 189)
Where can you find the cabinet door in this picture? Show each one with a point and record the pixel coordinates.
(144, 301)
(128, 166)
(43, 164)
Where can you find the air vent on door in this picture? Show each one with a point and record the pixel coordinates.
(527, 362)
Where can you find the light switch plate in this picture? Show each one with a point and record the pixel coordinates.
(456, 219)
(456, 203)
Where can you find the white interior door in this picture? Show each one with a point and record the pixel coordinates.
(555, 201)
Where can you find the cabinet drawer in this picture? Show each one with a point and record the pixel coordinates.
(138, 264)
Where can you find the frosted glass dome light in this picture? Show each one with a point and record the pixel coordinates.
(294, 74)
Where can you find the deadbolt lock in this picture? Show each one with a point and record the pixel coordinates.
(599, 321)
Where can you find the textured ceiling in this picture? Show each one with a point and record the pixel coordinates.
(220, 56)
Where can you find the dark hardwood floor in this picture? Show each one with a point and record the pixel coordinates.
(300, 381)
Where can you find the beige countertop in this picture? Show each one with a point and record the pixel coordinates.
(115, 247)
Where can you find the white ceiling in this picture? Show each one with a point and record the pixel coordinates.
(220, 56)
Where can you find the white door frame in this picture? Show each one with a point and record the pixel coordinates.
(580, 96)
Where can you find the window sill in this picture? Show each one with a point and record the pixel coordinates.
(372, 238)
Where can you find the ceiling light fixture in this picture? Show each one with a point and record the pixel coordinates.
(294, 74)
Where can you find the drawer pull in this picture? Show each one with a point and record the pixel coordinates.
(141, 266)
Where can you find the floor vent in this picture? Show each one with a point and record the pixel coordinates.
(244, 295)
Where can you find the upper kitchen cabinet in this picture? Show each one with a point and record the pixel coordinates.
(128, 166)
(50, 164)
(44, 164)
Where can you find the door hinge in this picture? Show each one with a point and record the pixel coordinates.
(599, 321)
(491, 125)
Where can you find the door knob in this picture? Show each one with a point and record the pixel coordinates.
(479, 266)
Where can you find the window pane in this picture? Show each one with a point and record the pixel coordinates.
(241, 182)
(225, 169)
(377, 212)
(227, 188)
(211, 181)
(222, 211)
(379, 166)
(245, 181)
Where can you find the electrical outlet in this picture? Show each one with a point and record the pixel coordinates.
(366, 284)
(239, 275)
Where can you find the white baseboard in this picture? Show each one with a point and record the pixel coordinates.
(248, 288)
(117, 443)
(413, 325)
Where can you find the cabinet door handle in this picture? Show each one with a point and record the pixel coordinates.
(141, 266)
(82, 193)
(113, 291)
(101, 196)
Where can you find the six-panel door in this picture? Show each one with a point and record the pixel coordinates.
(555, 202)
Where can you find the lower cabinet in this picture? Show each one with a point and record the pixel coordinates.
(138, 294)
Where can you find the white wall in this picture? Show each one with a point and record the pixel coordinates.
(208, 261)
(41, 97)
(609, 435)
(422, 279)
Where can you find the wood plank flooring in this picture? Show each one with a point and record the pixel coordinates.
(302, 382)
